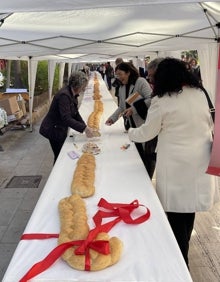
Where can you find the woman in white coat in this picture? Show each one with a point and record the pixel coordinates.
(179, 115)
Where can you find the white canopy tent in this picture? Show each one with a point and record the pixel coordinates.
(74, 32)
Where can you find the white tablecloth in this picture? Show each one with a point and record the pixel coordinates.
(150, 251)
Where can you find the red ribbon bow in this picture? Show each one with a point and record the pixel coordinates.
(122, 211)
(100, 246)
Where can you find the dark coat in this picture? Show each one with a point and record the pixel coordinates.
(109, 71)
(63, 113)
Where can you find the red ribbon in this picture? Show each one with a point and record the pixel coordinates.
(101, 246)
(123, 211)
(37, 236)
(93, 233)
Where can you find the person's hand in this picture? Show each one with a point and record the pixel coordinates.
(128, 112)
(89, 132)
(109, 122)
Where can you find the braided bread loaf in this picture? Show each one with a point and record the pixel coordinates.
(84, 176)
(74, 226)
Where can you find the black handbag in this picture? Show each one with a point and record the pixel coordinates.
(141, 108)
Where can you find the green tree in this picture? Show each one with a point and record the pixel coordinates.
(19, 76)
(41, 84)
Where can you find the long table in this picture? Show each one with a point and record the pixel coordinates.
(150, 252)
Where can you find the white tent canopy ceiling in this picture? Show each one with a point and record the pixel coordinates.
(100, 30)
(78, 31)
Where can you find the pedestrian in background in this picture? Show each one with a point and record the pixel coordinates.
(109, 73)
(117, 83)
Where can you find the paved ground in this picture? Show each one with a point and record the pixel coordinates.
(24, 153)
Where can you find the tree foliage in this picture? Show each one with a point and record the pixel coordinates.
(19, 76)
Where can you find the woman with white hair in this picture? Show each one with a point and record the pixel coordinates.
(63, 113)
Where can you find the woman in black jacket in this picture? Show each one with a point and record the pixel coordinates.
(63, 113)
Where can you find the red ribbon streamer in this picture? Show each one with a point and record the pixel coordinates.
(123, 211)
(37, 236)
(99, 245)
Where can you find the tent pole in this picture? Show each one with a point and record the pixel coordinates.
(32, 70)
(51, 71)
(61, 74)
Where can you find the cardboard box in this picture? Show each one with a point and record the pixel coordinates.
(22, 107)
(17, 92)
(10, 105)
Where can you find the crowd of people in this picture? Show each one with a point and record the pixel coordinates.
(167, 116)
(193, 66)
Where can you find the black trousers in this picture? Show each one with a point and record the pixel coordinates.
(150, 163)
(150, 156)
(109, 82)
(56, 148)
(182, 226)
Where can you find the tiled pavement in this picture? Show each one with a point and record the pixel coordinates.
(23, 153)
